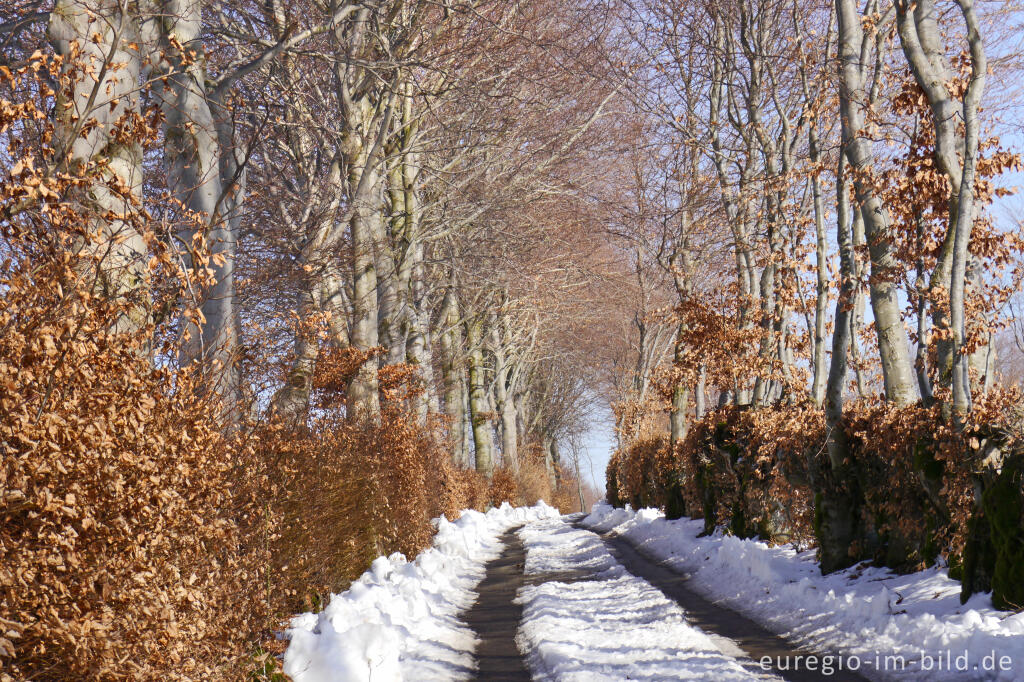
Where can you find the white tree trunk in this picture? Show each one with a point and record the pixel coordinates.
(965, 215)
(454, 382)
(483, 436)
(893, 343)
(102, 71)
(193, 158)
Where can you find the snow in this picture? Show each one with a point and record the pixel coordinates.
(868, 616)
(586, 619)
(400, 620)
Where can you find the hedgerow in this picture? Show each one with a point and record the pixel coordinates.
(927, 491)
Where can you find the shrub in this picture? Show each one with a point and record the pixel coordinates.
(339, 494)
(127, 520)
(532, 475)
(728, 470)
(342, 494)
(504, 487)
(138, 540)
(928, 488)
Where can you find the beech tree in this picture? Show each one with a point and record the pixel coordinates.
(99, 88)
(456, 192)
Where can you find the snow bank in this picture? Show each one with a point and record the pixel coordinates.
(894, 626)
(400, 619)
(592, 621)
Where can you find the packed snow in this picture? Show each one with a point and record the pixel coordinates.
(400, 621)
(902, 627)
(586, 619)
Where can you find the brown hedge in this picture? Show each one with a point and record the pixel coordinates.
(927, 487)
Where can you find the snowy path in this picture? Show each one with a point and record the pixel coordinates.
(495, 616)
(888, 626)
(595, 614)
(404, 620)
(623, 595)
(729, 630)
(596, 621)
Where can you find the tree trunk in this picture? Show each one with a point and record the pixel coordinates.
(549, 446)
(923, 44)
(193, 156)
(982, 362)
(504, 390)
(363, 396)
(677, 418)
(483, 437)
(391, 330)
(922, 47)
(454, 382)
(924, 383)
(556, 462)
(965, 215)
(418, 349)
(821, 290)
(841, 340)
(291, 401)
(366, 228)
(836, 496)
(893, 348)
(467, 426)
(680, 395)
(858, 312)
(681, 264)
(403, 251)
(103, 88)
(323, 292)
(367, 108)
(509, 435)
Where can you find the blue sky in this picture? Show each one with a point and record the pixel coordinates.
(598, 444)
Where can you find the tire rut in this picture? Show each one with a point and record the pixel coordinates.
(749, 637)
(495, 616)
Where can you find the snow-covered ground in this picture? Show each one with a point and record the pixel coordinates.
(400, 619)
(891, 626)
(593, 621)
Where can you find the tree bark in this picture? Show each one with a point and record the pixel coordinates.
(893, 347)
(841, 336)
(367, 108)
(366, 126)
(504, 391)
(678, 424)
(102, 68)
(857, 314)
(955, 155)
(291, 401)
(193, 157)
(700, 408)
(454, 382)
(403, 251)
(835, 504)
(322, 292)
(821, 262)
(363, 396)
(483, 437)
(965, 215)
(418, 349)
